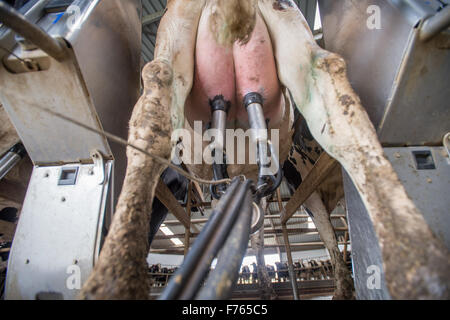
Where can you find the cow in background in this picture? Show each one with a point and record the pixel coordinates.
(271, 271)
(254, 273)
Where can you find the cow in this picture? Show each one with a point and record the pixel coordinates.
(245, 274)
(176, 183)
(160, 275)
(271, 271)
(328, 268)
(282, 271)
(211, 48)
(315, 269)
(254, 273)
(302, 271)
(297, 268)
(309, 270)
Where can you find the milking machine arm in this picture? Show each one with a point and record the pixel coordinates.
(237, 215)
(267, 182)
(228, 232)
(219, 173)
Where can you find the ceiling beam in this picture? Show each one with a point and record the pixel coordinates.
(315, 177)
(12, 191)
(272, 216)
(167, 198)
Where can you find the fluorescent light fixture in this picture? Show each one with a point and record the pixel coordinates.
(311, 224)
(176, 241)
(270, 259)
(166, 231)
(169, 232)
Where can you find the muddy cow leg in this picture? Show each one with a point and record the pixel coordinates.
(257, 243)
(321, 219)
(121, 271)
(415, 262)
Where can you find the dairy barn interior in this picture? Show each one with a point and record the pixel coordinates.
(224, 150)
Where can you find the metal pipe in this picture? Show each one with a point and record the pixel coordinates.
(174, 288)
(19, 24)
(292, 274)
(219, 109)
(253, 103)
(11, 158)
(435, 24)
(295, 246)
(189, 277)
(219, 118)
(221, 282)
(259, 132)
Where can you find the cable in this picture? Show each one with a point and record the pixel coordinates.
(197, 264)
(121, 141)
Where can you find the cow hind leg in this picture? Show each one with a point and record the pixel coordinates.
(415, 262)
(321, 219)
(121, 271)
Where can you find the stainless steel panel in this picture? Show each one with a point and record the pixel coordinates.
(365, 248)
(428, 188)
(60, 226)
(48, 139)
(33, 12)
(308, 8)
(415, 10)
(402, 82)
(372, 56)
